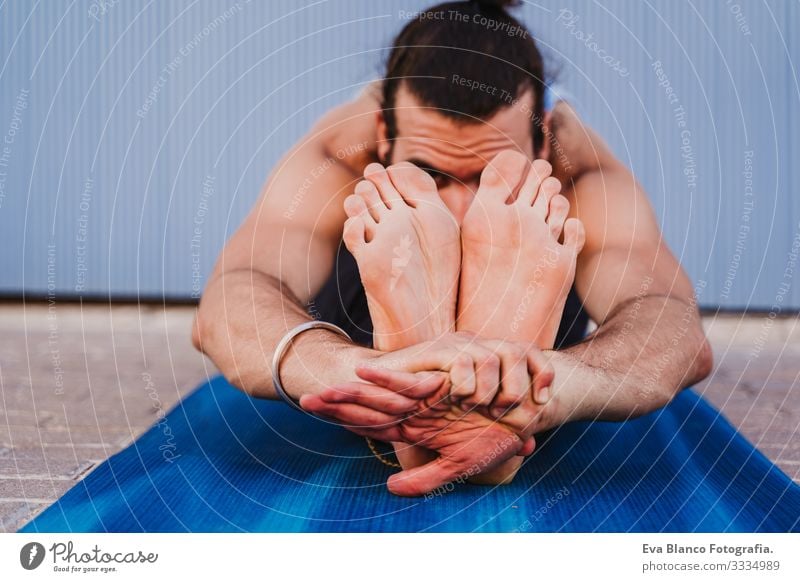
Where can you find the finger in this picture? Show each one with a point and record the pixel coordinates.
(515, 380)
(379, 434)
(349, 415)
(421, 480)
(487, 379)
(528, 447)
(543, 375)
(370, 396)
(390, 433)
(431, 359)
(462, 377)
(412, 385)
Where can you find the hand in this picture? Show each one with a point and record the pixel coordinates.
(490, 376)
(387, 399)
(467, 444)
(376, 410)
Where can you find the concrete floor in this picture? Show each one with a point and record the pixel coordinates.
(78, 383)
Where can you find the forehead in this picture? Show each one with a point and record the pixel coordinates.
(460, 148)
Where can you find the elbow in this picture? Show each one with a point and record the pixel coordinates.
(704, 362)
(210, 338)
(204, 331)
(197, 336)
(700, 367)
(202, 342)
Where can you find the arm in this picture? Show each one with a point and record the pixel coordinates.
(650, 343)
(280, 257)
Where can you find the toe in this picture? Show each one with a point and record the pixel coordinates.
(574, 234)
(377, 174)
(501, 177)
(372, 199)
(550, 188)
(414, 185)
(539, 171)
(354, 234)
(559, 208)
(356, 208)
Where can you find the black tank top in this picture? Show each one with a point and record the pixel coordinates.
(343, 302)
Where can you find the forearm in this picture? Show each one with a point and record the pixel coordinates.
(242, 317)
(649, 349)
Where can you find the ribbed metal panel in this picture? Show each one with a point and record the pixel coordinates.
(142, 131)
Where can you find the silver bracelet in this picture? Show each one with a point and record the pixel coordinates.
(283, 346)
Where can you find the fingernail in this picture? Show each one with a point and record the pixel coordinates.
(544, 395)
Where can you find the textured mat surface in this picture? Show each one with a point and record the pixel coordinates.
(222, 461)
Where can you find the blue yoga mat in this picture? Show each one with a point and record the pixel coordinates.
(222, 461)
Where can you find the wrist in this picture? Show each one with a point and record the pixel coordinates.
(580, 390)
(558, 408)
(317, 359)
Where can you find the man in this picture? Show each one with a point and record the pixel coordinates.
(460, 93)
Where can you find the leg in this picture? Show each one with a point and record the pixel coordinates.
(516, 269)
(408, 249)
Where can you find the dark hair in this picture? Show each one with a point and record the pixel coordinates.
(478, 41)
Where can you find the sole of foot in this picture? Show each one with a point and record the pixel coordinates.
(407, 247)
(519, 252)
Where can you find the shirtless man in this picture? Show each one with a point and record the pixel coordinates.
(488, 235)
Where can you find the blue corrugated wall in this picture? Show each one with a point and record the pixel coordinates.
(136, 135)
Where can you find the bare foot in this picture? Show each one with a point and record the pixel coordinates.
(408, 249)
(515, 274)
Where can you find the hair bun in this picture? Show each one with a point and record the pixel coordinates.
(497, 4)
